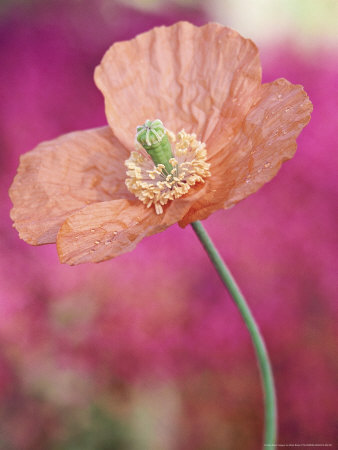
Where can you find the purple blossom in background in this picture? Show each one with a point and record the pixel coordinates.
(71, 337)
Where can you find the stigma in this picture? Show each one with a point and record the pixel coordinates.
(155, 180)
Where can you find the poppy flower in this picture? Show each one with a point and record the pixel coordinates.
(204, 84)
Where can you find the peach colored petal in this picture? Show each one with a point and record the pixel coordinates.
(63, 175)
(107, 229)
(266, 140)
(186, 76)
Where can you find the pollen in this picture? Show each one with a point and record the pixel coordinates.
(153, 185)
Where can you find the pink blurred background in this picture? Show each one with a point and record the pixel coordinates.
(147, 351)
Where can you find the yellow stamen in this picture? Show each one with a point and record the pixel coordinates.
(153, 185)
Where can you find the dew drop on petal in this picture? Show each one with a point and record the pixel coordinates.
(97, 242)
(267, 165)
(92, 230)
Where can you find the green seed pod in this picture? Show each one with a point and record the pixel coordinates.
(152, 136)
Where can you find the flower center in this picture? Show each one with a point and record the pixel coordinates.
(163, 173)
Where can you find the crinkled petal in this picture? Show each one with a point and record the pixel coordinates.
(62, 176)
(189, 77)
(266, 140)
(105, 230)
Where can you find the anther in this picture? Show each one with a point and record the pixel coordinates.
(171, 172)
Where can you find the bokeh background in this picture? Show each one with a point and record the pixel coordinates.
(147, 352)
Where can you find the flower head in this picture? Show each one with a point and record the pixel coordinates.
(208, 135)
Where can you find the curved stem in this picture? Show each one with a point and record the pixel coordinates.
(270, 409)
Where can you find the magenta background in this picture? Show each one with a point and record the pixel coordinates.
(160, 313)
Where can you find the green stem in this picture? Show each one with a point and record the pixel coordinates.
(270, 409)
